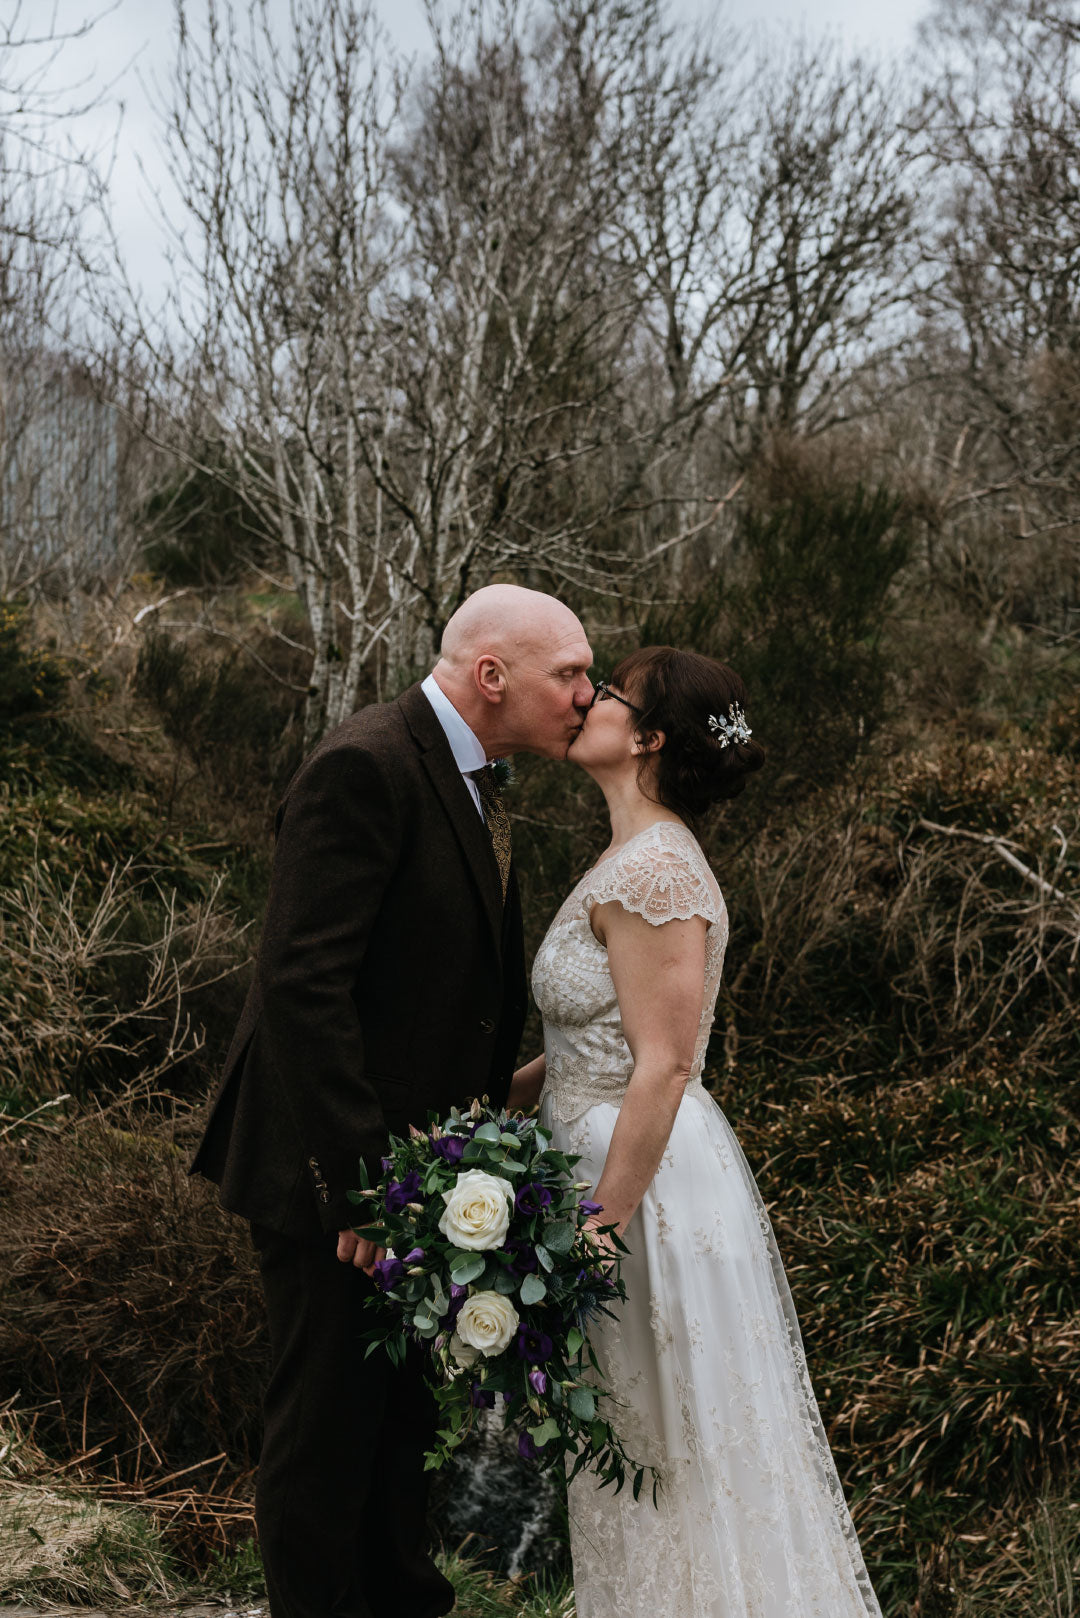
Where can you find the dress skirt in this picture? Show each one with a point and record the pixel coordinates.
(707, 1363)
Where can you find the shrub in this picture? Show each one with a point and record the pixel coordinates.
(129, 1302)
(234, 723)
(200, 532)
(31, 682)
(799, 610)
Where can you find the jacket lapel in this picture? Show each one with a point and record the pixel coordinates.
(454, 796)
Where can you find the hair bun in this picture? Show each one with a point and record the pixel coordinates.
(700, 705)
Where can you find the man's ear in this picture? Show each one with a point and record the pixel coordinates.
(651, 742)
(489, 676)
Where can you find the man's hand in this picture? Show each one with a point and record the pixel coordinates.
(362, 1255)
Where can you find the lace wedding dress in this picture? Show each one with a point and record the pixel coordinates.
(706, 1357)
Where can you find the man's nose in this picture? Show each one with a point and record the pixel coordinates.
(584, 694)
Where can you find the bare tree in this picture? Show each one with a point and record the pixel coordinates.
(277, 148)
(1005, 315)
(57, 437)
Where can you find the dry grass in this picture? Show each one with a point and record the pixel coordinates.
(63, 1540)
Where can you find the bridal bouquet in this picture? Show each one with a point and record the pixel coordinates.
(489, 1266)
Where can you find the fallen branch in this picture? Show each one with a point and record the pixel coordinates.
(1002, 849)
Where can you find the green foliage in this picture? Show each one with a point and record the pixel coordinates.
(232, 722)
(799, 611)
(40, 746)
(236, 1574)
(482, 1594)
(31, 682)
(201, 531)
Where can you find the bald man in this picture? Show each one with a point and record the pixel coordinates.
(389, 984)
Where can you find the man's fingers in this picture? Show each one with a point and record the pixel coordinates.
(347, 1243)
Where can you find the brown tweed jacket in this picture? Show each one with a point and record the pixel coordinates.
(390, 978)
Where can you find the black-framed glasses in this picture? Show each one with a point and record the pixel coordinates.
(603, 691)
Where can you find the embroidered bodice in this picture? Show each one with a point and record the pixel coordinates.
(660, 874)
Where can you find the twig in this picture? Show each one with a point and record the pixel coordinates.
(156, 606)
(1004, 852)
(17, 1122)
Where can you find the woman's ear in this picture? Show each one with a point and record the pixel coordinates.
(651, 741)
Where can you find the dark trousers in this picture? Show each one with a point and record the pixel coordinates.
(341, 1494)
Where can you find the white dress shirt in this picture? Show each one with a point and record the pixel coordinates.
(468, 754)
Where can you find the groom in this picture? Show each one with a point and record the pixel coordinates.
(389, 983)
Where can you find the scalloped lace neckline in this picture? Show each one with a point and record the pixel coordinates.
(613, 853)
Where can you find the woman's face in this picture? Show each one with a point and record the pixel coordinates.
(607, 739)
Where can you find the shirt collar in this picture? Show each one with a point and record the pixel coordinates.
(467, 751)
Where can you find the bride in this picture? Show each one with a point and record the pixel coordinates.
(705, 1358)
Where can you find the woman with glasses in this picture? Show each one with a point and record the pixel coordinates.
(705, 1357)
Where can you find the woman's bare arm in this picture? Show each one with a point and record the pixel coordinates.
(526, 1085)
(659, 977)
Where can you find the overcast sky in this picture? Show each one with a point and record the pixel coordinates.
(132, 44)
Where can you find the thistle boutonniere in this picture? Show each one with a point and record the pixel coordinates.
(502, 771)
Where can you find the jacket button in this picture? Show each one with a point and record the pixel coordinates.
(313, 1162)
(324, 1196)
(486, 1025)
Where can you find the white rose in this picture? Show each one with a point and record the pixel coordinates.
(487, 1322)
(477, 1212)
(464, 1353)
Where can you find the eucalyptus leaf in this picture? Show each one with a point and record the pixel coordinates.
(533, 1289)
(574, 1342)
(489, 1132)
(467, 1268)
(506, 1283)
(509, 1140)
(559, 1238)
(545, 1258)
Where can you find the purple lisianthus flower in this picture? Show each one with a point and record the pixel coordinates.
(387, 1273)
(523, 1259)
(533, 1344)
(532, 1199)
(589, 1208)
(415, 1255)
(526, 1448)
(457, 1303)
(449, 1147)
(387, 1164)
(401, 1192)
(538, 1381)
(481, 1398)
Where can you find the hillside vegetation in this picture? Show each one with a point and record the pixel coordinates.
(896, 1046)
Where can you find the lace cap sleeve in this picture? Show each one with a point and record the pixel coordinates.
(659, 879)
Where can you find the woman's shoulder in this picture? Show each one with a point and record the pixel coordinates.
(660, 873)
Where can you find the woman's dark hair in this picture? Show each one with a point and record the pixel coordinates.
(677, 692)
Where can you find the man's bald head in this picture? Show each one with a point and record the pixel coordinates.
(514, 663)
(507, 620)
